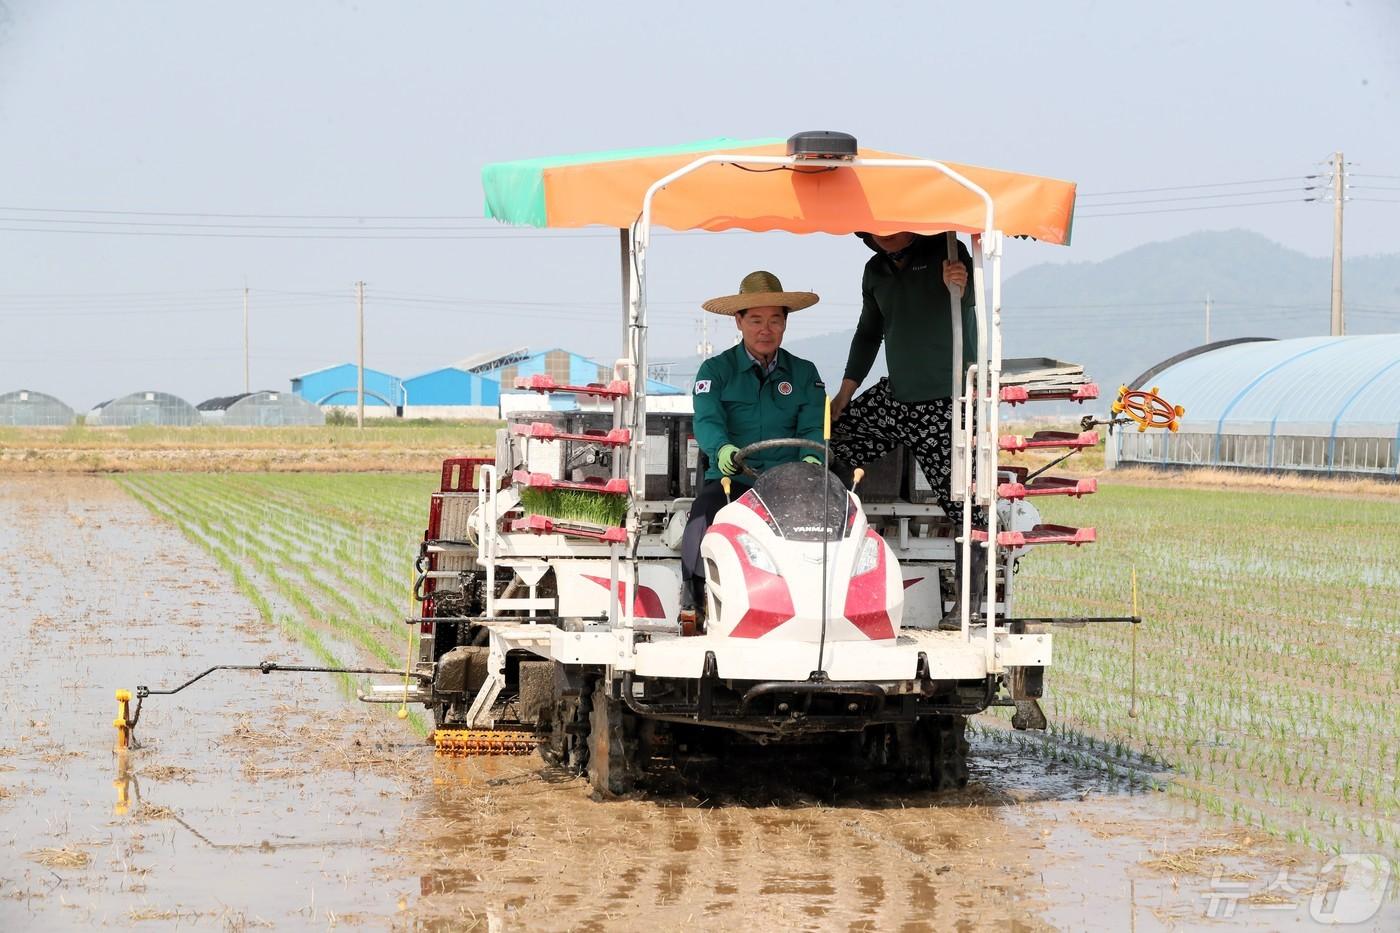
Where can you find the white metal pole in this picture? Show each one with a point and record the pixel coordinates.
(965, 546)
(1207, 317)
(1338, 196)
(619, 414)
(957, 436)
(246, 381)
(990, 429)
(360, 382)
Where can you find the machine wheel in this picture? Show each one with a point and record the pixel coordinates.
(930, 752)
(564, 731)
(612, 744)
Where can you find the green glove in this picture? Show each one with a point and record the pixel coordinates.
(812, 459)
(726, 460)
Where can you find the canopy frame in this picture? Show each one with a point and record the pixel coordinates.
(985, 371)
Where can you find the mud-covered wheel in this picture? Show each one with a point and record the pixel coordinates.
(563, 731)
(563, 735)
(613, 758)
(931, 752)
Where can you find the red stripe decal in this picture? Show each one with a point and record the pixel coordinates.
(770, 603)
(865, 599)
(647, 604)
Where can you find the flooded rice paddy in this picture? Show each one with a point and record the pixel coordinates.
(274, 801)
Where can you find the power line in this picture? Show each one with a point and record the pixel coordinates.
(204, 214)
(1198, 197)
(523, 234)
(323, 236)
(204, 226)
(1218, 184)
(1202, 207)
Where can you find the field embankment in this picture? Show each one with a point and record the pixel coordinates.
(380, 447)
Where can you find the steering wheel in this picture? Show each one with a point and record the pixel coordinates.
(770, 444)
(1147, 409)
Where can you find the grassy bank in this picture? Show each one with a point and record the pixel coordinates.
(381, 446)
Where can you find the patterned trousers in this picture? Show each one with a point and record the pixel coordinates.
(874, 423)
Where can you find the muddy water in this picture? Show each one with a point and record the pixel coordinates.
(1029, 845)
(264, 801)
(253, 798)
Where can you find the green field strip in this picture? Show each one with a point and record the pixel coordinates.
(1268, 659)
(258, 524)
(193, 515)
(1266, 665)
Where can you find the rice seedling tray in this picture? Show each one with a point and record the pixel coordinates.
(1042, 440)
(617, 388)
(543, 431)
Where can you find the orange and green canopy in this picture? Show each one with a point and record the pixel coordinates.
(607, 188)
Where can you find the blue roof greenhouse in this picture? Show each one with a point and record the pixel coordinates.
(1310, 404)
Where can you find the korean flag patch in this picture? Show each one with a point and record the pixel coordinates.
(702, 386)
(785, 388)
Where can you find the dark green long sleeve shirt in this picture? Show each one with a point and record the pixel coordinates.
(736, 403)
(907, 310)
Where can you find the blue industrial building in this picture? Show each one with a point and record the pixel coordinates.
(1310, 404)
(566, 368)
(451, 393)
(337, 386)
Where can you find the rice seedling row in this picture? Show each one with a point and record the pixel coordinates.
(1265, 668)
(319, 585)
(1267, 664)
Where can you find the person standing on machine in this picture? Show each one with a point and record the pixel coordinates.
(754, 391)
(905, 304)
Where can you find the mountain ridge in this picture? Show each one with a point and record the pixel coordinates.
(1122, 315)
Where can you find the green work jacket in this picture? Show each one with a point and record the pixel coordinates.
(908, 311)
(736, 403)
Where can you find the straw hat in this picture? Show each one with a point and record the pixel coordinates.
(757, 290)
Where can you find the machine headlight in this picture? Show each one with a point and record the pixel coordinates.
(757, 556)
(869, 557)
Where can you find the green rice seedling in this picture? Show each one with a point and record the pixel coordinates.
(575, 505)
(1266, 663)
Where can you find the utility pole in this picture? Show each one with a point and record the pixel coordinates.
(360, 385)
(1207, 317)
(1338, 195)
(704, 348)
(246, 389)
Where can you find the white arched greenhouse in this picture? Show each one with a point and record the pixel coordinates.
(262, 409)
(24, 408)
(153, 408)
(1312, 404)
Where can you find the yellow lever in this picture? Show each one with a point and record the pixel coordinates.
(123, 721)
(856, 477)
(724, 483)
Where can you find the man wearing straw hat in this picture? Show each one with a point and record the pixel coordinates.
(752, 392)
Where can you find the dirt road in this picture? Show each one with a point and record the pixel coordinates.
(273, 801)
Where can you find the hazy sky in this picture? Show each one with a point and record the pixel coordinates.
(388, 110)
